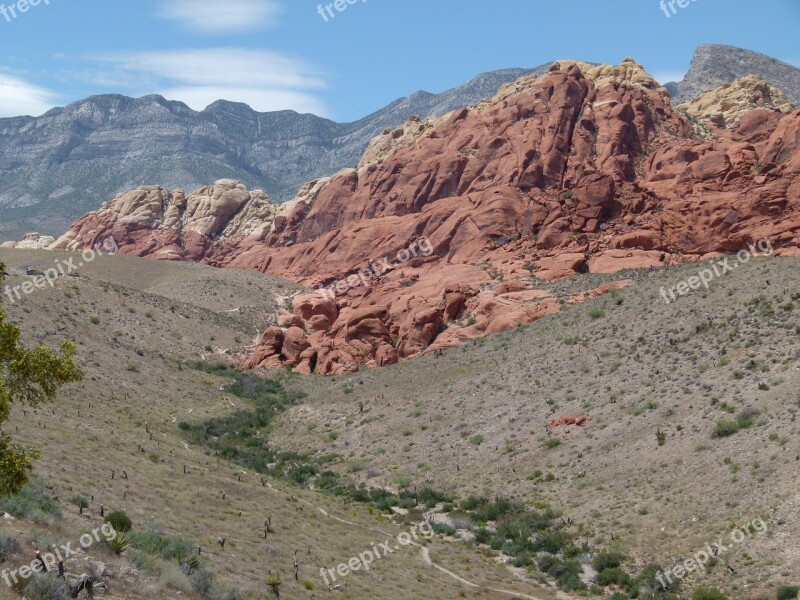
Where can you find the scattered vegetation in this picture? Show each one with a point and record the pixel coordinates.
(33, 502)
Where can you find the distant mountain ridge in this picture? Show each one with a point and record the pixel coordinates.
(64, 163)
(714, 65)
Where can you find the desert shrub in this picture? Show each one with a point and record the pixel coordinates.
(607, 564)
(213, 367)
(607, 560)
(565, 572)
(46, 587)
(523, 559)
(33, 502)
(167, 547)
(726, 427)
(9, 545)
(482, 535)
(230, 594)
(788, 592)
(79, 501)
(173, 578)
(747, 417)
(443, 529)
(613, 576)
(703, 593)
(647, 584)
(202, 582)
(119, 521)
(145, 562)
(431, 497)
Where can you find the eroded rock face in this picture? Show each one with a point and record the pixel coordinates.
(153, 222)
(725, 106)
(583, 169)
(31, 241)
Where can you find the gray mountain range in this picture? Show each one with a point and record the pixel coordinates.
(58, 166)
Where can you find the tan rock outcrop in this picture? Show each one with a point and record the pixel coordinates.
(32, 241)
(725, 106)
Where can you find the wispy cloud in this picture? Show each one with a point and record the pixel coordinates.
(222, 17)
(18, 97)
(263, 79)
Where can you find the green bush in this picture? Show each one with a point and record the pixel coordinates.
(119, 521)
(788, 592)
(443, 529)
(33, 502)
(702, 593)
(168, 548)
(607, 560)
(79, 501)
(613, 576)
(725, 428)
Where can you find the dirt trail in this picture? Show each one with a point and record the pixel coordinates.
(426, 557)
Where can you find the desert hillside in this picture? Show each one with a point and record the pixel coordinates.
(471, 421)
(530, 337)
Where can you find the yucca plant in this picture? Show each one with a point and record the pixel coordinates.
(119, 543)
(274, 583)
(189, 564)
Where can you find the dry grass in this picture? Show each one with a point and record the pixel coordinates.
(474, 420)
(150, 317)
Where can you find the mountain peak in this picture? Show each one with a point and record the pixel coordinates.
(714, 65)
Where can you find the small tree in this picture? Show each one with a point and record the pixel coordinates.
(29, 377)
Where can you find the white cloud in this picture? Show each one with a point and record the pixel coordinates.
(222, 16)
(18, 97)
(223, 67)
(263, 79)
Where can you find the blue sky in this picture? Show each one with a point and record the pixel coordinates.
(283, 54)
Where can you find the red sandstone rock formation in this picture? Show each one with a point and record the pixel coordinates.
(579, 420)
(583, 169)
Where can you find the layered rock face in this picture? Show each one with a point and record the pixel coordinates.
(585, 168)
(726, 106)
(154, 222)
